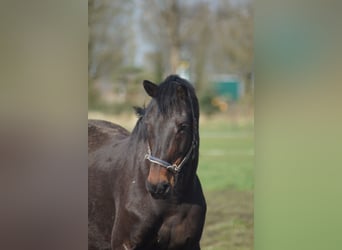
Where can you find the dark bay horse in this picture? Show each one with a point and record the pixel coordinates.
(143, 189)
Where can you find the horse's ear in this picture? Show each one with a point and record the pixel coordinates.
(150, 88)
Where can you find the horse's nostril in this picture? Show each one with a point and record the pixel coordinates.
(166, 186)
(163, 187)
(160, 190)
(150, 187)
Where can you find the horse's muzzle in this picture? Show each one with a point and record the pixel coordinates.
(161, 190)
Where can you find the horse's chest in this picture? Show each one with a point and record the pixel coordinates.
(176, 232)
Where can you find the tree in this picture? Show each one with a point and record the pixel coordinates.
(233, 35)
(216, 39)
(161, 25)
(108, 24)
(107, 42)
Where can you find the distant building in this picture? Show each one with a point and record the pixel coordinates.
(229, 87)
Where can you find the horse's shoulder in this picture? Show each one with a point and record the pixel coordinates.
(100, 132)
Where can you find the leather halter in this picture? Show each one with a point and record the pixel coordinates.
(171, 167)
(174, 167)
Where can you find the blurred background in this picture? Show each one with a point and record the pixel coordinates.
(43, 110)
(210, 43)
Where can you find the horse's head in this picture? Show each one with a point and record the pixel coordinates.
(171, 124)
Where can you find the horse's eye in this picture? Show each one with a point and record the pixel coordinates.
(183, 127)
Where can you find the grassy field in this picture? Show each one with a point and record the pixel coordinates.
(226, 173)
(226, 155)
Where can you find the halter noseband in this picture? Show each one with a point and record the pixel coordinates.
(174, 167)
(171, 167)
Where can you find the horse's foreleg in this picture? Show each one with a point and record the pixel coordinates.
(127, 236)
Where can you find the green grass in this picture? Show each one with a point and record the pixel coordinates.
(229, 221)
(226, 156)
(226, 169)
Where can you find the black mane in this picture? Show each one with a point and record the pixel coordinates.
(168, 99)
(139, 111)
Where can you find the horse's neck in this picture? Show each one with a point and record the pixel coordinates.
(137, 149)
